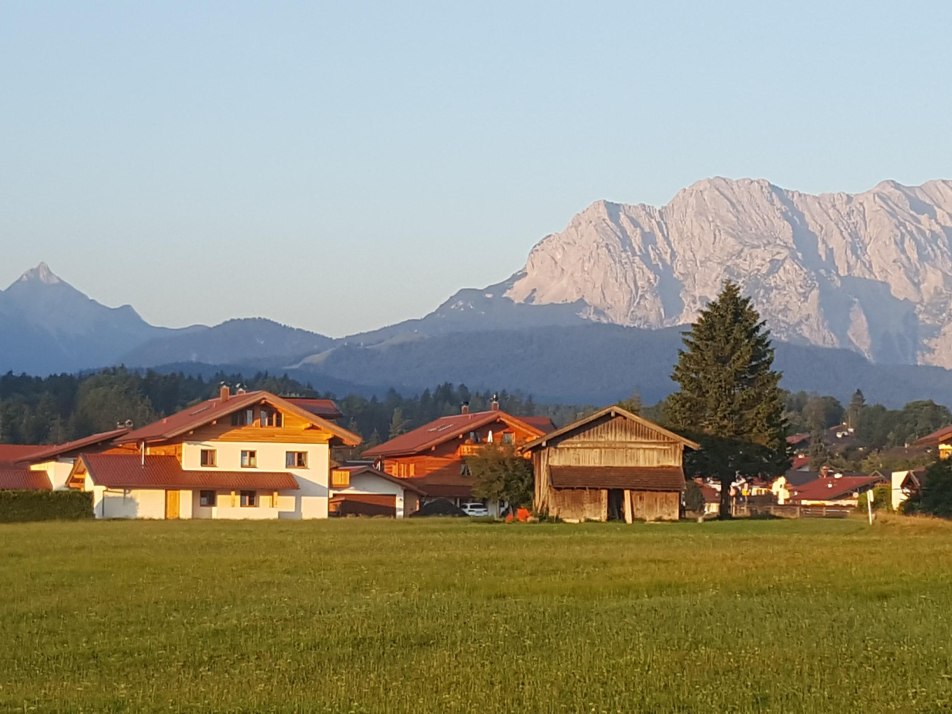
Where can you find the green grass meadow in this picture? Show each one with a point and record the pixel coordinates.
(441, 615)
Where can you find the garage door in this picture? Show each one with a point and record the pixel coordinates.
(363, 504)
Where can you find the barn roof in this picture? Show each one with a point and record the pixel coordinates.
(611, 412)
(160, 472)
(451, 427)
(211, 410)
(636, 478)
(24, 480)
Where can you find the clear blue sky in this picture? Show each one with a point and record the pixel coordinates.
(341, 166)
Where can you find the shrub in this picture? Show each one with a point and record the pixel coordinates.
(935, 495)
(21, 506)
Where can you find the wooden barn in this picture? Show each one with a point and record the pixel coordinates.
(611, 465)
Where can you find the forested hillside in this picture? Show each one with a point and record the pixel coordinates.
(40, 410)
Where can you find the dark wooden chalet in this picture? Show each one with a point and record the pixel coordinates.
(611, 465)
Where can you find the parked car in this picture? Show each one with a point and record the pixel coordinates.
(477, 510)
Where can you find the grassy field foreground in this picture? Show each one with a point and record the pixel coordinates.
(377, 615)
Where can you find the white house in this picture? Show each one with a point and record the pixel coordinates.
(251, 455)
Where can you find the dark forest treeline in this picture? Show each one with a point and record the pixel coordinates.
(41, 410)
(58, 408)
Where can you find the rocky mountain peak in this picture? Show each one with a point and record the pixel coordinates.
(871, 272)
(40, 274)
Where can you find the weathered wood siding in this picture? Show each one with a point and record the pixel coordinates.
(656, 505)
(616, 442)
(610, 441)
(580, 504)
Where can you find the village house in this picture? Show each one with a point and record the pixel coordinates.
(940, 440)
(611, 465)
(249, 455)
(433, 457)
(903, 485)
(362, 490)
(833, 489)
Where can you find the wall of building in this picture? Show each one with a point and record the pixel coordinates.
(136, 503)
(57, 471)
(309, 501)
(369, 484)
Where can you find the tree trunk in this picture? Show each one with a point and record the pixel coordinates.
(726, 510)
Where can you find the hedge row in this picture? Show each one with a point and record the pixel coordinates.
(20, 506)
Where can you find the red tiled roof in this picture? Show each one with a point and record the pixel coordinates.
(16, 453)
(609, 412)
(322, 407)
(795, 439)
(44, 453)
(24, 480)
(711, 494)
(128, 471)
(212, 409)
(939, 436)
(799, 462)
(832, 488)
(637, 478)
(446, 428)
(446, 482)
(363, 468)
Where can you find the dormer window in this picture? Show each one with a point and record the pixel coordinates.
(270, 417)
(243, 417)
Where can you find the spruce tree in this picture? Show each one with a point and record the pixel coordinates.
(730, 399)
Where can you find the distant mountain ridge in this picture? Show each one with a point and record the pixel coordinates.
(597, 310)
(50, 326)
(870, 272)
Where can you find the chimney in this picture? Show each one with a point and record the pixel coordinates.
(224, 393)
(494, 405)
(464, 408)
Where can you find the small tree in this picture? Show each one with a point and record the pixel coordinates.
(853, 411)
(935, 494)
(730, 400)
(693, 497)
(501, 474)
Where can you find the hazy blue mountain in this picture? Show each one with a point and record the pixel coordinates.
(235, 341)
(600, 363)
(50, 326)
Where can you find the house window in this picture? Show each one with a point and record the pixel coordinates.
(270, 417)
(249, 459)
(508, 437)
(206, 499)
(209, 457)
(248, 499)
(340, 478)
(243, 418)
(464, 469)
(295, 459)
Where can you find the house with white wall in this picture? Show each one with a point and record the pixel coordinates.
(250, 455)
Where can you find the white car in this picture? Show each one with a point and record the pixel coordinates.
(477, 510)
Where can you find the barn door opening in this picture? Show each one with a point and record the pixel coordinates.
(616, 504)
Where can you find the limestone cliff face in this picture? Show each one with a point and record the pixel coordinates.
(871, 272)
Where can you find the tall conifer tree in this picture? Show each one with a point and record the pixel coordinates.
(730, 398)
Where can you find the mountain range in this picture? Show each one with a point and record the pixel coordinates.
(854, 288)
